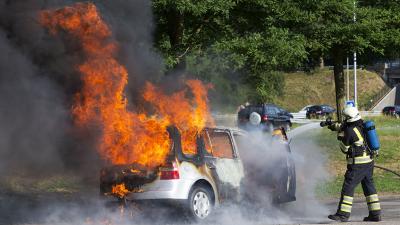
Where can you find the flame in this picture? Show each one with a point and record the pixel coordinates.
(126, 137)
(119, 190)
(180, 112)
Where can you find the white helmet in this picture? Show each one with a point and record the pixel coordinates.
(255, 118)
(351, 114)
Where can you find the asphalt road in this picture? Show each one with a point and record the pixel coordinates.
(390, 211)
(61, 209)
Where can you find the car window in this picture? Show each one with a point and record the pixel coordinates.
(318, 108)
(221, 144)
(207, 141)
(271, 110)
(257, 109)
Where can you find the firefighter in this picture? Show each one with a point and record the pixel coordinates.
(360, 166)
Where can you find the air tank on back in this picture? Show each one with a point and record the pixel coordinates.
(371, 135)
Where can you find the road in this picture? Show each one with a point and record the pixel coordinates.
(390, 207)
(63, 209)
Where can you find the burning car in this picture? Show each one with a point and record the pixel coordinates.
(200, 181)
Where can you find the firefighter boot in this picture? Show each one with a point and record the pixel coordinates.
(375, 218)
(338, 217)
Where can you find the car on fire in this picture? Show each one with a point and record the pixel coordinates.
(201, 181)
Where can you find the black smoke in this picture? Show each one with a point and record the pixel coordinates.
(38, 81)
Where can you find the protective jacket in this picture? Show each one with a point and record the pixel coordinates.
(353, 143)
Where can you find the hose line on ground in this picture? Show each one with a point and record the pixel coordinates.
(388, 170)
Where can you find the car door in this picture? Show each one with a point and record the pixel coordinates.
(272, 113)
(226, 167)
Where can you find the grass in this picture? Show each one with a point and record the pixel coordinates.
(386, 183)
(303, 89)
(28, 185)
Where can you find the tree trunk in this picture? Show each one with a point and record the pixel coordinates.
(321, 63)
(338, 55)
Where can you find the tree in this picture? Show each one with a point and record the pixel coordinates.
(330, 30)
(217, 40)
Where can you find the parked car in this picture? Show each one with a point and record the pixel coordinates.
(319, 111)
(284, 112)
(391, 111)
(270, 116)
(199, 182)
(304, 109)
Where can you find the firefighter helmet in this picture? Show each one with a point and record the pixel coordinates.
(351, 114)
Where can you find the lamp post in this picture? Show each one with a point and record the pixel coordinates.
(347, 81)
(355, 62)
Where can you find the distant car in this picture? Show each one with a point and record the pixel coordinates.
(319, 111)
(270, 116)
(303, 111)
(391, 111)
(283, 111)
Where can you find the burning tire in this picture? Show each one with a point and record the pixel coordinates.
(200, 203)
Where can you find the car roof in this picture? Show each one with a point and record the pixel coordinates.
(232, 129)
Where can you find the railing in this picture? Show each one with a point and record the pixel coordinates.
(377, 98)
(230, 120)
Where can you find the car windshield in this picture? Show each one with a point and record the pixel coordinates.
(317, 107)
(326, 107)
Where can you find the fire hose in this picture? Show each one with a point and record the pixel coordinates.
(388, 170)
(329, 122)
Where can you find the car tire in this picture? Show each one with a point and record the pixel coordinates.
(269, 127)
(287, 126)
(200, 203)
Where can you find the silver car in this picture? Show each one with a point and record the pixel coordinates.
(199, 182)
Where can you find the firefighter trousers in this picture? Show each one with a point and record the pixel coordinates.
(355, 174)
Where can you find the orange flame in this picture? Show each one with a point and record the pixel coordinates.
(126, 137)
(119, 190)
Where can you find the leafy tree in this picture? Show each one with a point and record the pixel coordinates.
(330, 30)
(217, 40)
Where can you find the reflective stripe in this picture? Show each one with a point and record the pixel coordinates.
(360, 160)
(347, 199)
(343, 147)
(347, 202)
(372, 198)
(360, 137)
(345, 208)
(374, 206)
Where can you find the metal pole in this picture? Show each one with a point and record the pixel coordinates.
(355, 63)
(355, 79)
(347, 81)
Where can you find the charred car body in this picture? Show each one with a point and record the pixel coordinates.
(199, 182)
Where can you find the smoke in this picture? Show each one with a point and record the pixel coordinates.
(38, 81)
(264, 160)
(32, 115)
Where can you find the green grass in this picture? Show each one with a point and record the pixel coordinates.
(386, 182)
(303, 89)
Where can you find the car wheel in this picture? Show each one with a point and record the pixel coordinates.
(200, 203)
(287, 126)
